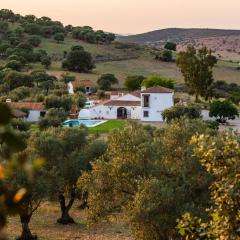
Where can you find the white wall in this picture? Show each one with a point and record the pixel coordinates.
(158, 102)
(70, 88)
(110, 112)
(33, 116)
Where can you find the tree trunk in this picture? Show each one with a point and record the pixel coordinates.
(65, 217)
(26, 232)
(197, 98)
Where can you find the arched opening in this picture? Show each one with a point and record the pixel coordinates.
(122, 113)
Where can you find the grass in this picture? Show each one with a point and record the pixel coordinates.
(108, 126)
(44, 225)
(142, 65)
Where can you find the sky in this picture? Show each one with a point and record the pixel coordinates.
(134, 16)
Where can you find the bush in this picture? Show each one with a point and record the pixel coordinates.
(155, 80)
(106, 81)
(165, 56)
(212, 124)
(133, 82)
(234, 97)
(34, 40)
(14, 65)
(20, 124)
(179, 111)
(223, 110)
(53, 118)
(171, 46)
(78, 60)
(59, 37)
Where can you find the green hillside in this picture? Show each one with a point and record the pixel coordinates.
(142, 62)
(123, 59)
(177, 34)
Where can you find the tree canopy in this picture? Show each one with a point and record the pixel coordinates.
(142, 174)
(156, 80)
(196, 67)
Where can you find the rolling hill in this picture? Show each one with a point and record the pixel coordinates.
(225, 43)
(177, 35)
(124, 59)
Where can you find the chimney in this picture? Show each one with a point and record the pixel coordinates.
(143, 88)
(8, 100)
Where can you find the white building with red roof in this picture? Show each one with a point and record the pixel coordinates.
(145, 105)
(35, 110)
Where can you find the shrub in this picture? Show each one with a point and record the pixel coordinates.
(223, 110)
(171, 46)
(158, 81)
(178, 111)
(78, 60)
(133, 82)
(106, 80)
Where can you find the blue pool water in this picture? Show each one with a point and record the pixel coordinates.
(86, 123)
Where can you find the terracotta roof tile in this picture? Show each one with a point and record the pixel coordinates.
(18, 113)
(136, 93)
(157, 89)
(29, 105)
(122, 103)
(83, 83)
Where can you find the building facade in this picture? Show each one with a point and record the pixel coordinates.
(35, 110)
(146, 105)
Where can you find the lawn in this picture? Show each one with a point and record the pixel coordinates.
(108, 126)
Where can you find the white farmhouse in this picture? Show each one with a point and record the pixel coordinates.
(145, 105)
(35, 110)
(154, 101)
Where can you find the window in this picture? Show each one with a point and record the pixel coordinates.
(146, 100)
(146, 114)
(42, 114)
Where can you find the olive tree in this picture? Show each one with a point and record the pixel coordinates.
(150, 176)
(68, 153)
(220, 157)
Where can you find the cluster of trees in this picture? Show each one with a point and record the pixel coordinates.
(58, 157)
(178, 111)
(19, 84)
(152, 186)
(230, 91)
(87, 34)
(106, 81)
(161, 189)
(58, 108)
(166, 54)
(136, 82)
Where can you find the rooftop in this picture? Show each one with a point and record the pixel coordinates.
(122, 103)
(18, 113)
(83, 83)
(157, 89)
(29, 105)
(136, 93)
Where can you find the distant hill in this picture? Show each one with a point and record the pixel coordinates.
(177, 35)
(225, 43)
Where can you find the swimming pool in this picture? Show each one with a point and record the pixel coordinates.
(86, 123)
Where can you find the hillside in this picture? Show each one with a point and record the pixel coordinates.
(178, 35)
(124, 59)
(225, 43)
(128, 61)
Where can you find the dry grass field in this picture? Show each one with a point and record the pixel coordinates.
(44, 225)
